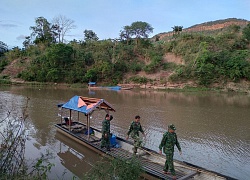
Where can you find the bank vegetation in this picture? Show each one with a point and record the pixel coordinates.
(208, 58)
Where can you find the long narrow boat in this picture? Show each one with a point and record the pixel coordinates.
(90, 137)
(92, 86)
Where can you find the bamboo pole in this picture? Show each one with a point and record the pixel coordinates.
(70, 120)
(88, 124)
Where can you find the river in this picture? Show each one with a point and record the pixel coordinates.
(213, 128)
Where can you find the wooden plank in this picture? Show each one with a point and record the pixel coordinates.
(157, 169)
(190, 175)
(150, 168)
(154, 173)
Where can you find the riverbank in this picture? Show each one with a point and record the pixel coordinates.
(240, 87)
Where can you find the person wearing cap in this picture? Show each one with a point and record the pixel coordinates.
(134, 129)
(168, 142)
(105, 142)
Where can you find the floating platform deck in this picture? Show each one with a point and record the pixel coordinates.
(153, 169)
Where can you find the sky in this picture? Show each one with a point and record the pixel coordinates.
(108, 17)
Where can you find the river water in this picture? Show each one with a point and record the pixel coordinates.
(213, 128)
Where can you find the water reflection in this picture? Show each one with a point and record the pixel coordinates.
(74, 157)
(213, 128)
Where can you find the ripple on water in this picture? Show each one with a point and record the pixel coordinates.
(219, 153)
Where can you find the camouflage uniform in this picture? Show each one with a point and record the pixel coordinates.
(134, 129)
(167, 143)
(105, 130)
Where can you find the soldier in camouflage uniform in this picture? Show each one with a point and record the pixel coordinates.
(134, 129)
(106, 132)
(168, 142)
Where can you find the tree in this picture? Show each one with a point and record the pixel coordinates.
(59, 56)
(90, 35)
(246, 32)
(42, 32)
(27, 42)
(126, 33)
(137, 29)
(177, 29)
(140, 29)
(62, 26)
(3, 47)
(91, 75)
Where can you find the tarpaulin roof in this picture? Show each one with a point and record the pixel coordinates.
(92, 83)
(87, 105)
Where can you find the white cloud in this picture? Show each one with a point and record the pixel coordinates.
(8, 25)
(20, 37)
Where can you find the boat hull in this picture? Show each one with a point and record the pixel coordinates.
(115, 88)
(79, 140)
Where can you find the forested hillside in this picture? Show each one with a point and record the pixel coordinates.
(213, 57)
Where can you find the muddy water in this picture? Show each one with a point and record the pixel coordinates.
(213, 128)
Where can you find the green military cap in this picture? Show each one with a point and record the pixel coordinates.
(171, 126)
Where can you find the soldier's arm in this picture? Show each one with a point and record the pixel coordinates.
(141, 129)
(130, 129)
(105, 127)
(163, 141)
(178, 144)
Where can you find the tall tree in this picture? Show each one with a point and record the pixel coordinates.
(42, 32)
(140, 29)
(177, 29)
(90, 35)
(63, 26)
(27, 42)
(126, 33)
(3, 47)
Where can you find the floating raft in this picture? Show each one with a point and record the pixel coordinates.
(152, 162)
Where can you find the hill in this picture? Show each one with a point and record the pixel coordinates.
(207, 27)
(210, 29)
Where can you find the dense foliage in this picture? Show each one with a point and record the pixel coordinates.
(212, 59)
(209, 58)
(3, 48)
(116, 168)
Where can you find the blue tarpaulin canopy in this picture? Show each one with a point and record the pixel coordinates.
(92, 83)
(86, 105)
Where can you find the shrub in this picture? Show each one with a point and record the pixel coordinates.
(140, 80)
(116, 168)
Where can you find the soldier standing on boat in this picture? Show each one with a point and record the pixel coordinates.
(134, 129)
(106, 132)
(168, 142)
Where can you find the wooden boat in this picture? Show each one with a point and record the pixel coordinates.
(90, 137)
(126, 86)
(92, 86)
